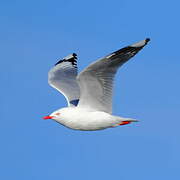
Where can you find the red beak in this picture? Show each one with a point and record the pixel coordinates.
(47, 117)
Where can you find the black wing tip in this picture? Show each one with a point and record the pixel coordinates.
(70, 58)
(147, 40)
(140, 44)
(60, 61)
(74, 54)
(133, 49)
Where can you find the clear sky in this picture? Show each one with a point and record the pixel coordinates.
(34, 35)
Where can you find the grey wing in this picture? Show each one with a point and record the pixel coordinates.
(63, 78)
(96, 81)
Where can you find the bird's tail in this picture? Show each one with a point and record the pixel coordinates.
(125, 121)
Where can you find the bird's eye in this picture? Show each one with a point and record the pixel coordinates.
(57, 114)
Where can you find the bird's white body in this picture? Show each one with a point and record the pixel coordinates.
(87, 120)
(89, 94)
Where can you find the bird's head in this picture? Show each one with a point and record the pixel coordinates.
(54, 115)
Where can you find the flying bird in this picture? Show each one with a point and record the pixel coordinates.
(89, 93)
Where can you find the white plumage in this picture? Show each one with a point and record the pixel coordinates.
(89, 94)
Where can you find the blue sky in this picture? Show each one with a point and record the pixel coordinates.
(34, 35)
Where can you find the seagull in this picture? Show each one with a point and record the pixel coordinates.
(89, 93)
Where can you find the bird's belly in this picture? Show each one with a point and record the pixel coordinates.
(89, 122)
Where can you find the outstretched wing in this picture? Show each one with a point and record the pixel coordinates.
(63, 78)
(96, 81)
